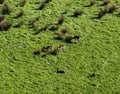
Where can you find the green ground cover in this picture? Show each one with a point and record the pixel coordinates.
(92, 66)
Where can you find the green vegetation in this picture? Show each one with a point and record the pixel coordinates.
(88, 66)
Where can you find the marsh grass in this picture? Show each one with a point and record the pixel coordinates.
(111, 8)
(41, 5)
(19, 14)
(91, 66)
(2, 1)
(105, 2)
(5, 25)
(22, 3)
(1, 17)
(18, 24)
(54, 27)
(77, 12)
(47, 1)
(92, 2)
(102, 12)
(5, 9)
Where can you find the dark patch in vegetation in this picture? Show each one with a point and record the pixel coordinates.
(36, 52)
(2, 1)
(46, 49)
(32, 23)
(20, 14)
(38, 2)
(65, 12)
(60, 71)
(5, 9)
(44, 55)
(44, 28)
(91, 75)
(53, 52)
(93, 84)
(102, 12)
(58, 49)
(106, 2)
(1, 17)
(77, 38)
(111, 9)
(38, 31)
(64, 30)
(92, 2)
(69, 38)
(77, 12)
(47, 1)
(5, 25)
(60, 20)
(66, 36)
(11, 70)
(43, 49)
(22, 3)
(41, 6)
(54, 27)
(18, 24)
(61, 34)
